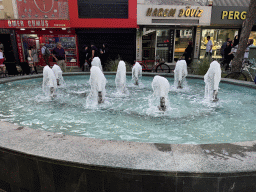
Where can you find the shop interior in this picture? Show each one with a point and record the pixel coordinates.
(218, 37)
(68, 42)
(7, 48)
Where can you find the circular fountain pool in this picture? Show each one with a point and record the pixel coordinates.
(134, 116)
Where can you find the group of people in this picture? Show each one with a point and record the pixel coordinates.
(229, 49)
(88, 53)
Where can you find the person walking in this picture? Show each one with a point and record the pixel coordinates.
(246, 53)
(94, 51)
(2, 59)
(224, 45)
(228, 56)
(46, 54)
(59, 55)
(188, 53)
(208, 52)
(104, 55)
(84, 65)
(33, 54)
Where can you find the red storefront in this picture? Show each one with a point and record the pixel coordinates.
(40, 22)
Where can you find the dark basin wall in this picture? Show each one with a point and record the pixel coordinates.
(24, 173)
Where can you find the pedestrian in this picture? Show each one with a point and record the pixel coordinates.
(188, 53)
(104, 55)
(246, 53)
(224, 45)
(2, 59)
(235, 41)
(59, 55)
(84, 65)
(228, 56)
(94, 51)
(33, 54)
(208, 52)
(46, 54)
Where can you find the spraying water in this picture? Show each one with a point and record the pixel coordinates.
(180, 73)
(96, 62)
(212, 79)
(121, 78)
(161, 88)
(58, 74)
(136, 73)
(49, 82)
(98, 83)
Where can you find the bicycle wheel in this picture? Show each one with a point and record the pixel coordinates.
(237, 75)
(163, 68)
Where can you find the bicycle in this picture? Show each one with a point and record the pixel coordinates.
(158, 66)
(247, 65)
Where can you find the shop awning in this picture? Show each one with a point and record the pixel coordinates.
(243, 3)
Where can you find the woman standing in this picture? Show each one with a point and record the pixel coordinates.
(33, 54)
(188, 53)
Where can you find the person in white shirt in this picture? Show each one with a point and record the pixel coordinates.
(208, 52)
(246, 53)
(2, 58)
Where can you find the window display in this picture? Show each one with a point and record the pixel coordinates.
(218, 37)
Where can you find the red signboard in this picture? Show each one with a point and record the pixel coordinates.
(17, 23)
(77, 22)
(18, 38)
(42, 9)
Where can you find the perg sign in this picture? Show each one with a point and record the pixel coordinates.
(236, 15)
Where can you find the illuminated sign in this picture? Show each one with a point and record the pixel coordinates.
(160, 12)
(236, 15)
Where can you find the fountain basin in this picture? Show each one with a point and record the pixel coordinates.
(36, 160)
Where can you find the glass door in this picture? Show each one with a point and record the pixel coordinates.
(183, 36)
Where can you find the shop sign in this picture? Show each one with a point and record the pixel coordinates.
(5, 31)
(233, 15)
(20, 52)
(35, 23)
(188, 12)
(171, 43)
(171, 14)
(41, 9)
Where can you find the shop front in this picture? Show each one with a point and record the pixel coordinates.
(35, 33)
(166, 30)
(109, 22)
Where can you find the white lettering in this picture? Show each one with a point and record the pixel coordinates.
(14, 23)
(21, 23)
(46, 23)
(33, 23)
(29, 23)
(9, 23)
(38, 23)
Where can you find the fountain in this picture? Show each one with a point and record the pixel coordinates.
(61, 145)
(136, 73)
(161, 88)
(212, 79)
(49, 82)
(121, 78)
(98, 83)
(180, 73)
(58, 74)
(96, 62)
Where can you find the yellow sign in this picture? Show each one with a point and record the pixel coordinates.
(230, 15)
(171, 12)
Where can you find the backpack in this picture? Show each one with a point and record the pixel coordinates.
(47, 51)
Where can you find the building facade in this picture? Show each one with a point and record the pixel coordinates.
(166, 27)
(34, 23)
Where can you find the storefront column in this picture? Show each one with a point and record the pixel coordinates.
(197, 42)
(139, 45)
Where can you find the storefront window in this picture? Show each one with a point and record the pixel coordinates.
(218, 37)
(253, 36)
